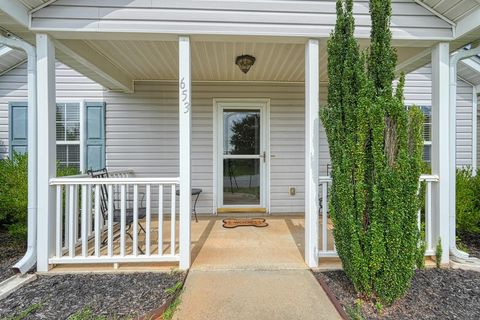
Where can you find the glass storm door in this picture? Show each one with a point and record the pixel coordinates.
(242, 157)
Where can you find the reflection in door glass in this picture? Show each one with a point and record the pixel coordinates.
(241, 181)
(241, 132)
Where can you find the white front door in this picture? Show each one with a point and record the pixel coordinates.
(242, 158)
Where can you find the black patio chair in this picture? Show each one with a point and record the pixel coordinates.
(196, 193)
(142, 210)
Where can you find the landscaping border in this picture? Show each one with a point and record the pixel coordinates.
(158, 312)
(331, 297)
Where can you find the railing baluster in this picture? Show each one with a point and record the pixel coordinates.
(71, 219)
(84, 227)
(127, 196)
(67, 217)
(172, 221)
(428, 215)
(135, 219)
(110, 220)
(97, 220)
(160, 219)
(58, 232)
(324, 216)
(122, 219)
(76, 213)
(148, 221)
(89, 209)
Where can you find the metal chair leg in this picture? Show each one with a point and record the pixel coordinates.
(194, 211)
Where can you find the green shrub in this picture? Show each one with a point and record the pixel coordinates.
(422, 247)
(467, 202)
(376, 150)
(13, 193)
(438, 253)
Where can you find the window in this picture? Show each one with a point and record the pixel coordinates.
(68, 134)
(76, 149)
(427, 132)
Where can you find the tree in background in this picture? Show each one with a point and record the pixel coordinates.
(376, 152)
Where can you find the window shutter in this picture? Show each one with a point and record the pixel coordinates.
(95, 135)
(18, 124)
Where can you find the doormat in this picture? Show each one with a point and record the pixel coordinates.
(244, 222)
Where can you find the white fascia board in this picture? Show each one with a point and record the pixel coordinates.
(467, 24)
(16, 10)
(97, 63)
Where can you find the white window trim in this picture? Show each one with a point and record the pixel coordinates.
(81, 140)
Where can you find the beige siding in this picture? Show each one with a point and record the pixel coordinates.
(418, 90)
(142, 134)
(71, 85)
(478, 131)
(314, 18)
(142, 128)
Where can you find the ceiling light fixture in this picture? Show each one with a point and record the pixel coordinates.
(245, 62)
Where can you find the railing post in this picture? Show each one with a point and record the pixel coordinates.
(442, 130)
(46, 142)
(312, 85)
(185, 119)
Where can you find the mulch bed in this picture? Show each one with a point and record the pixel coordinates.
(434, 294)
(472, 242)
(114, 296)
(11, 251)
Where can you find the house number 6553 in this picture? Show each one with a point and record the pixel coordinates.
(184, 92)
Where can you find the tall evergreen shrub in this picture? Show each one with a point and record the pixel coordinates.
(376, 153)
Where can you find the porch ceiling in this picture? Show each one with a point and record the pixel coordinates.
(469, 70)
(215, 60)
(9, 58)
(453, 10)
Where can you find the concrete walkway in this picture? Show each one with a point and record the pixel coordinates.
(251, 295)
(252, 273)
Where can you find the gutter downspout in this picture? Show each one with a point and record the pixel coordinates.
(30, 258)
(454, 59)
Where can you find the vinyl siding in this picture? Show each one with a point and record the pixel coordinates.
(142, 134)
(142, 128)
(71, 86)
(418, 91)
(314, 18)
(478, 131)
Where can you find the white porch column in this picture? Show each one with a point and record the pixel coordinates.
(443, 135)
(312, 87)
(185, 121)
(47, 149)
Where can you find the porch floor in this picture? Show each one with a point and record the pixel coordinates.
(278, 246)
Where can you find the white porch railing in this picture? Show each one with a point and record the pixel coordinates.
(117, 219)
(326, 242)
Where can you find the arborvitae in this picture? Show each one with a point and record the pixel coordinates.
(376, 153)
